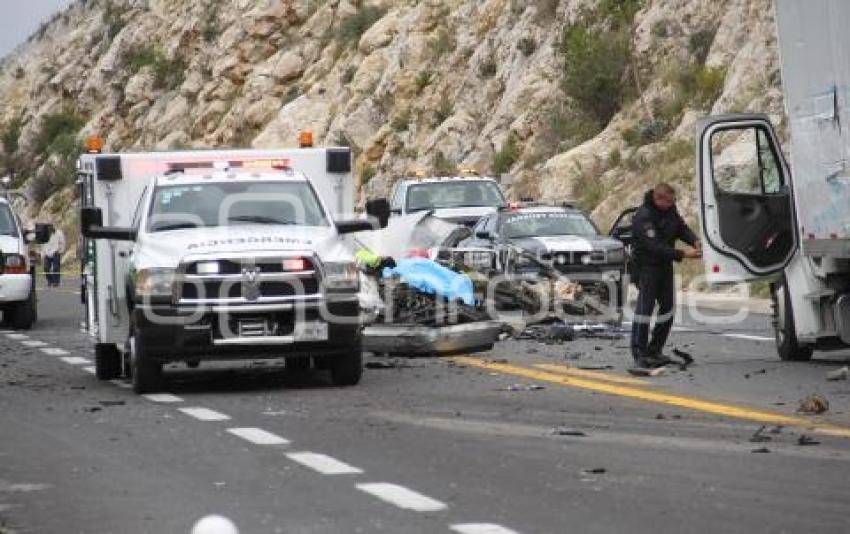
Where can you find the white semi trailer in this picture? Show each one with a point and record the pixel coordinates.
(763, 219)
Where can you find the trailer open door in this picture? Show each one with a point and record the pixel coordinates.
(746, 199)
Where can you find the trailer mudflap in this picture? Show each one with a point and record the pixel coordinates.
(412, 340)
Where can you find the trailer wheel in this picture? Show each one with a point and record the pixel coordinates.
(107, 361)
(347, 369)
(787, 346)
(146, 373)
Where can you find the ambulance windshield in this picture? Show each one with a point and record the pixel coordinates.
(235, 203)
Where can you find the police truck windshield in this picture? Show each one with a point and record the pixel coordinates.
(7, 221)
(234, 203)
(548, 224)
(454, 194)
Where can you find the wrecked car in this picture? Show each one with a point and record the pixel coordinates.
(421, 307)
(556, 242)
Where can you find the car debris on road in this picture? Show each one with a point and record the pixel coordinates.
(814, 404)
(838, 374)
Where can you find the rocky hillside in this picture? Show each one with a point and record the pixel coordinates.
(583, 99)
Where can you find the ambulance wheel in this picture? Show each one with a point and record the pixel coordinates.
(298, 366)
(107, 361)
(787, 346)
(347, 369)
(146, 375)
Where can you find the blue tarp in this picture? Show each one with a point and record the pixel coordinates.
(432, 278)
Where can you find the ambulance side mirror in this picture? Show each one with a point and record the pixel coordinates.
(91, 226)
(379, 208)
(41, 234)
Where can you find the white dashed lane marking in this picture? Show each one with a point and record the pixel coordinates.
(258, 436)
(90, 370)
(204, 414)
(323, 464)
(75, 360)
(481, 528)
(17, 337)
(53, 351)
(402, 497)
(33, 343)
(749, 337)
(163, 397)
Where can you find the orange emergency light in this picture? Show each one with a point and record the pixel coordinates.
(94, 144)
(305, 139)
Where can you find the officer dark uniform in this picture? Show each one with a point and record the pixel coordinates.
(655, 232)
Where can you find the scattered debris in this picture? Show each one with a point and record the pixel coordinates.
(595, 367)
(92, 409)
(839, 374)
(686, 358)
(112, 403)
(550, 333)
(762, 450)
(813, 404)
(759, 437)
(660, 416)
(777, 429)
(805, 440)
(573, 356)
(381, 365)
(594, 471)
(497, 360)
(569, 432)
(523, 387)
(645, 371)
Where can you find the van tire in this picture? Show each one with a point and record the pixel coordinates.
(23, 313)
(347, 369)
(787, 346)
(146, 373)
(107, 361)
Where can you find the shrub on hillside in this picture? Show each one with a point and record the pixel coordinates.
(352, 28)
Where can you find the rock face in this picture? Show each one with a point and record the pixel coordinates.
(434, 85)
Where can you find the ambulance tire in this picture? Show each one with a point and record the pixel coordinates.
(347, 369)
(146, 375)
(107, 361)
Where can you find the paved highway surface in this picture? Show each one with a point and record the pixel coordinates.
(529, 438)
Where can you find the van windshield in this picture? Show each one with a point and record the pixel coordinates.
(7, 221)
(235, 203)
(454, 194)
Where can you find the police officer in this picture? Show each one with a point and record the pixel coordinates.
(655, 228)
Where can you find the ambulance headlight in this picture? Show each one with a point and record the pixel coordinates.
(154, 283)
(341, 276)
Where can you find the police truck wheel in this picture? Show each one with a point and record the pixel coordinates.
(23, 313)
(787, 346)
(146, 373)
(347, 369)
(107, 361)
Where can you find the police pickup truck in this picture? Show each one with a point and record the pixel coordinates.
(462, 200)
(17, 271)
(221, 255)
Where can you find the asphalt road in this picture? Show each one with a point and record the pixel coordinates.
(530, 438)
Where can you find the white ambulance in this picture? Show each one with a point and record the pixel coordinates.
(221, 255)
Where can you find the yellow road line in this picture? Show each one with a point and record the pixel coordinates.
(585, 373)
(712, 407)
